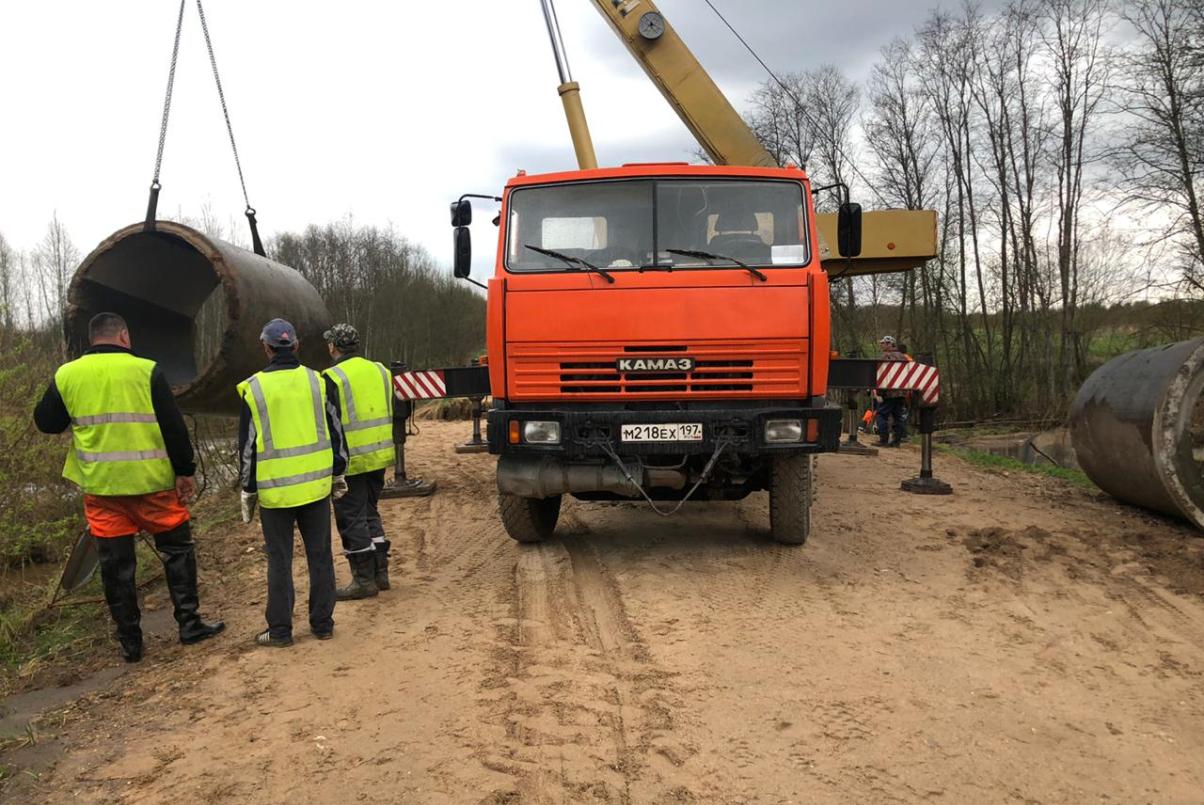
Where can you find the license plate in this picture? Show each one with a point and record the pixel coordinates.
(667, 432)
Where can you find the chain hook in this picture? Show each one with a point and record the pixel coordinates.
(256, 243)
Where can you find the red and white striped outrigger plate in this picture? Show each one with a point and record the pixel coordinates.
(911, 376)
(420, 385)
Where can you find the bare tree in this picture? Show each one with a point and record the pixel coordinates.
(833, 102)
(781, 122)
(807, 119)
(1162, 153)
(995, 119)
(54, 261)
(946, 65)
(1074, 40)
(900, 132)
(404, 307)
(8, 282)
(898, 128)
(1013, 125)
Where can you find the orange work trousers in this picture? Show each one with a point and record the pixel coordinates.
(124, 515)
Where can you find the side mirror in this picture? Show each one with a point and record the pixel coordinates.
(462, 262)
(848, 229)
(461, 212)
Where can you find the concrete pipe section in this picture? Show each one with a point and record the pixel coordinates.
(195, 305)
(1137, 426)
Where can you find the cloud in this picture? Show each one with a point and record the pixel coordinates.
(385, 110)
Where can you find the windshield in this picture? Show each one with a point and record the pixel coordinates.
(622, 224)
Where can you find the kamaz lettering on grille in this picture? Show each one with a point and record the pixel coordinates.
(656, 364)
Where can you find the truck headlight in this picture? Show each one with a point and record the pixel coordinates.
(541, 432)
(783, 431)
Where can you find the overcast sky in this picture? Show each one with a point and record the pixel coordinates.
(386, 111)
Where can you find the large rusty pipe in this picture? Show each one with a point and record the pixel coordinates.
(1137, 426)
(195, 305)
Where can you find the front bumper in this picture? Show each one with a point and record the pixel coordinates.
(584, 430)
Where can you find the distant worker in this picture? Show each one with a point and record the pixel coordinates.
(892, 410)
(365, 394)
(131, 455)
(291, 459)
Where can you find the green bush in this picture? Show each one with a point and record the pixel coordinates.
(40, 511)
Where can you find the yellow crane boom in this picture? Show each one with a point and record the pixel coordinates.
(892, 240)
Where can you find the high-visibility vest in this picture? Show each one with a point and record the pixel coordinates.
(117, 447)
(366, 408)
(293, 455)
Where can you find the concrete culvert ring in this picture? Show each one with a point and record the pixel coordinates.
(1176, 433)
(195, 305)
(1137, 426)
(1196, 432)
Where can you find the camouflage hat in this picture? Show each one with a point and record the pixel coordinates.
(342, 336)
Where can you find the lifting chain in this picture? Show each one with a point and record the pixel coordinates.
(153, 203)
(221, 95)
(706, 473)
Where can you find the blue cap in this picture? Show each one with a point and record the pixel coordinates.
(279, 334)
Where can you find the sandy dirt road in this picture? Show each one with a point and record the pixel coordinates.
(1021, 641)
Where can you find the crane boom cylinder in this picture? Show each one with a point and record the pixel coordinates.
(562, 59)
(570, 93)
(574, 113)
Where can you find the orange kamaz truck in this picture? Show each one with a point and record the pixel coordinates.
(662, 331)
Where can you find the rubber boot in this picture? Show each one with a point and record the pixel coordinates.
(118, 567)
(178, 552)
(382, 565)
(363, 578)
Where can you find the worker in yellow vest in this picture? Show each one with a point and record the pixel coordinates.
(291, 461)
(365, 392)
(131, 455)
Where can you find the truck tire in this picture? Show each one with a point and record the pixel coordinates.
(790, 499)
(528, 519)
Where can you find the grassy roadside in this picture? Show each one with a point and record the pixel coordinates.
(997, 463)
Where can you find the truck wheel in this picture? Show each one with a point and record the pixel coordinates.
(790, 499)
(528, 519)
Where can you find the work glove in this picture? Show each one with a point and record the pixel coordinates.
(249, 499)
(339, 487)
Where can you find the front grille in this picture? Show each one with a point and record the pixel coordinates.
(553, 371)
(578, 377)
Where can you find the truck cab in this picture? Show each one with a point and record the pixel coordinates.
(657, 332)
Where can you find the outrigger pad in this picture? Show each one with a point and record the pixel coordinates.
(409, 488)
(920, 485)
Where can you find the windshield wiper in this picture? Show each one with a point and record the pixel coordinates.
(570, 260)
(709, 256)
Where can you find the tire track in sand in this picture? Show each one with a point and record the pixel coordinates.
(586, 712)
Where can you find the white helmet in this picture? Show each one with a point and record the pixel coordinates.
(888, 339)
